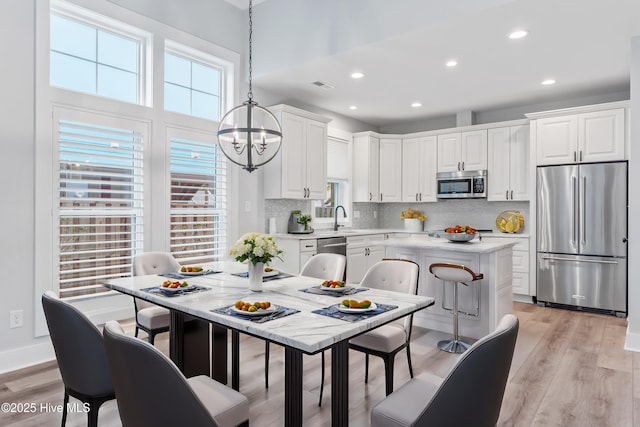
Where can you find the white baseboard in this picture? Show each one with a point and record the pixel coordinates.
(23, 357)
(632, 342)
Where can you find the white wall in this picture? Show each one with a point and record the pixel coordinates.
(633, 331)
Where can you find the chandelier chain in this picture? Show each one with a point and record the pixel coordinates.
(250, 94)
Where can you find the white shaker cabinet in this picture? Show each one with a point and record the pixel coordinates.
(595, 136)
(521, 271)
(390, 183)
(299, 171)
(462, 151)
(419, 166)
(366, 167)
(362, 253)
(508, 163)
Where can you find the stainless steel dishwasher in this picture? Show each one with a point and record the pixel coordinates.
(332, 245)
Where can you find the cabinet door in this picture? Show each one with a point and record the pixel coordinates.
(315, 159)
(449, 153)
(390, 170)
(365, 169)
(519, 163)
(474, 150)
(601, 136)
(557, 140)
(374, 254)
(356, 264)
(304, 257)
(499, 160)
(292, 152)
(411, 170)
(428, 167)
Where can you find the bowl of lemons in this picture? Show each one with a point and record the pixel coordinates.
(509, 221)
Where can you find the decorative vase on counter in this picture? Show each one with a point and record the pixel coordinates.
(413, 224)
(255, 271)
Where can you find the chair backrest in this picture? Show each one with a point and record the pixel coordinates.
(150, 390)
(399, 275)
(153, 263)
(78, 346)
(325, 266)
(476, 382)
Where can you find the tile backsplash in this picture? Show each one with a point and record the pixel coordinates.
(475, 212)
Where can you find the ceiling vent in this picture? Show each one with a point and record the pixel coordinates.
(323, 85)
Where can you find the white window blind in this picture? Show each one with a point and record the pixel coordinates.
(100, 206)
(198, 201)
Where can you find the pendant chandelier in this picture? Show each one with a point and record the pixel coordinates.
(249, 135)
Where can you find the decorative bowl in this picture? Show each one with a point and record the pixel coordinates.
(459, 237)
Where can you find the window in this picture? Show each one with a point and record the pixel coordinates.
(198, 199)
(100, 212)
(192, 87)
(338, 192)
(86, 56)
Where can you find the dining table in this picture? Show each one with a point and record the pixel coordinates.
(303, 317)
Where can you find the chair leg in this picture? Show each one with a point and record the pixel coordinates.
(388, 373)
(409, 360)
(92, 416)
(137, 329)
(266, 364)
(64, 408)
(366, 368)
(151, 337)
(321, 381)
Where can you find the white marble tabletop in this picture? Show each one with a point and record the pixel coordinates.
(306, 331)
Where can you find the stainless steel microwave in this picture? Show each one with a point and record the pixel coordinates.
(462, 184)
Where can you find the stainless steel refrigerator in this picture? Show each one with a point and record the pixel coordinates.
(582, 235)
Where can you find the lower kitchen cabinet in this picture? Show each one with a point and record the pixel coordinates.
(296, 253)
(521, 277)
(362, 253)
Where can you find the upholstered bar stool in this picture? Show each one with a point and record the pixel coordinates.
(454, 273)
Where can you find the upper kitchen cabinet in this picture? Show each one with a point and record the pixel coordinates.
(419, 166)
(390, 184)
(299, 171)
(590, 136)
(508, 166)
(461, 151)
(366, 167)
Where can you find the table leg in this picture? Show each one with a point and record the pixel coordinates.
(189, 344)
(292, 387)
(219, 353)
(340, 384)
(235, 360)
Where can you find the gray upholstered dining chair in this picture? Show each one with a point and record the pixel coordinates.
(323, 266)
(149, 317)
(81, 356)
(400, 275)
(151, 391)
(470, 395)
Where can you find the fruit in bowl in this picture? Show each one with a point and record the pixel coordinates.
(461, 229)
(252, 307)
(190, 269)
(333, 284)
(352, 303)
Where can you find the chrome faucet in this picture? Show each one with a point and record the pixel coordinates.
(335, 217)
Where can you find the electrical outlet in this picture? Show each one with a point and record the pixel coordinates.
(356, 214)
(16, 319)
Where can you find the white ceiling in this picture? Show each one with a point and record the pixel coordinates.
(583, 44)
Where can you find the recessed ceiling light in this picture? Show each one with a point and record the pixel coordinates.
(353, 107)
(357, 75)
(548, 82)
(416, 105)
(518, 34)
(451, 63)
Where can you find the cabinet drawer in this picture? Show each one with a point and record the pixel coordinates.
(521, 261)
(308, 245)
(520, 283)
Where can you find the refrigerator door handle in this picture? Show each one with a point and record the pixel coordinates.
(573, 210)
(592, 261)
(583, 208)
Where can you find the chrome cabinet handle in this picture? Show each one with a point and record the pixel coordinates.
(370, 196)
(574, 156)
(511, 194)
(583, 199)
(416, 197)
(580, 155)
(380, 196)
(420, 196)
(591, 261)
(573, 209)
(462, 165)
(506, 194)
(458, 165)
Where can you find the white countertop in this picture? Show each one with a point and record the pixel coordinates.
(474, 246)
(319, 234)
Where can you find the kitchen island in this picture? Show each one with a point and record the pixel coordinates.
(481, 304)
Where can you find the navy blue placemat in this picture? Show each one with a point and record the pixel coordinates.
(332, 311)
(160, 291)
(266, 279)
(188, 276)
(319, 290)
(280, 312)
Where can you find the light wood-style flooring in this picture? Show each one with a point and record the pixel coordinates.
(569, 369)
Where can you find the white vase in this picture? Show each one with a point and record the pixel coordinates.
(413, 224)
(256, 272)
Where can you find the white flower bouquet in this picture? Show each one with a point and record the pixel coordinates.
(256, 247)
